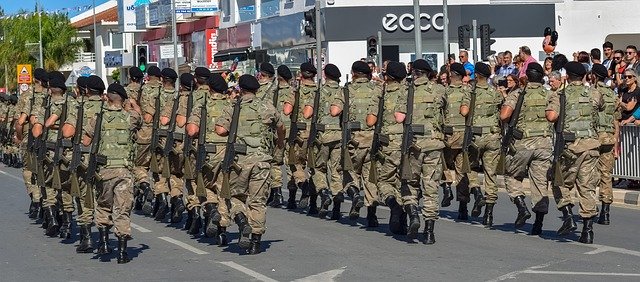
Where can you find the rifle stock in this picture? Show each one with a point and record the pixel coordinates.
(294, 129)
(375, 144)
(468, 133)
(170, 141)
(407, 136)
(231, 149)
(508, 136)
(153, 165)
(313, 132)
(201, 151)
(559, 142)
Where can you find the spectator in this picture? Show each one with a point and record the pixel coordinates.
(607, 48)
(512, 84)
(450, 60)
(629, 100)
(558, 64)
(615, 63)
(464, 60)
(632, 57)
(499, 62)
(621, 67)
(583, 58)
(555, 80)
(507, 65)
(548, 62)
(595, 56)
(443, 78)
(525, 55)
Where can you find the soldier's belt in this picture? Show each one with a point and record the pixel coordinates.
(354, 126)
(300, 126)
(240, 148)
(178, 136)
(162, 132)
(451, 129)
(210, 148)
(569, 136)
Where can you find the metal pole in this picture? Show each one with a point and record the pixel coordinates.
(39, 9)
(474, 29)
(379, 49)
(417, 29)
(445, 31)
(318, 42)
(98, 69)
(174, 31)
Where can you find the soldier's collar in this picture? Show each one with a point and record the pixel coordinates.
(248, 97)
(456, 85)
(534, 85)
(203, 87)
(332, 84)
(576, 83)
(308, 83)
(421, 81)
(361, 80)
(284, 85)
(393, 86)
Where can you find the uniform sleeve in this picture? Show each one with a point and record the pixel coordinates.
(271, 116)
(372, 109)
(136, 121)
(149, 100)
(182, 105)
(72, 112)
(466, 98)
(597, 99)
(166, 110)
(195, 113)
(90, 127)
(286, 96)
(22, 104)
(512, 99)
(553, 103)
(401, 105)
(224, 119)
(338, 99)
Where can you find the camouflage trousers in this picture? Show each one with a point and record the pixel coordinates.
(173, 185)
(485, 154)
(579, 170)
(388, 178)
(532, 160)
(27, 175)
(453, 156)
(327, 173)
(299, 165)
(426, 170)
(64, 191)
(115, 200)
(85, 215)
(276, 173)
(606, 162)
(142, 161)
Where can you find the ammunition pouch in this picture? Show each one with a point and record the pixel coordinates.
(210, 148)
(162, 132)
(178, 136)
(240, 149)
(66, 143)
(569, 136)
(354, 126)
(321, 127)
(85, 149)
(448, 130)
(101, 159)
(418, 129)
(300, 126)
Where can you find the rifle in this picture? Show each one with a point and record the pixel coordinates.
(232, 148)
(378, 138)
(508, 137)
(468, 133)
(295, 127)
(347, 128)
(76, 157)
(170, 140)
(153, 166)
(561, 138)
(202, 150)
(140, 93)
(408, 132)
(94, 160)
(187, 145)
(31, 142)
(276, 94)
(313, 132)
(58, 149)
(41, 146)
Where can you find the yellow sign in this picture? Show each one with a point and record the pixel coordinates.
(24, 74)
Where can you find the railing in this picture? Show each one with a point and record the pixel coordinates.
(628, 164)
(85, 57)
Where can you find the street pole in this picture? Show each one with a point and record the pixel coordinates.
(318, 42)
(39, 9)
(474, 28)
(379, 49)
(445, 31)
(174, 31)
(98, 69)
(417, 29)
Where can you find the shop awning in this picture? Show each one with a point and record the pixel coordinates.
(242, 54)
(155, 34)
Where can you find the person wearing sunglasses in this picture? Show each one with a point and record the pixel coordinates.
(629, 99)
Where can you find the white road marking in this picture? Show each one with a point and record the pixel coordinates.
(12, 176)
(322, 277)
(580, 273)
(512, 275)
(140, 228)
(247, 271)
(184, 245)
(603, 248)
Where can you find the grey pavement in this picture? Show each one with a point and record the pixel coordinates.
(312, 249)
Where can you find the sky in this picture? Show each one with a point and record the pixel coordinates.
(13, 6)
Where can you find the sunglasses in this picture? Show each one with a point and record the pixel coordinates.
(617, 58)
(629, 76)
(630, 53)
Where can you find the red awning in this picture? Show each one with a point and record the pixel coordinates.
(155, 34)
(185, 28)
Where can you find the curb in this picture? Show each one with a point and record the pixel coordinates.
(626, 197)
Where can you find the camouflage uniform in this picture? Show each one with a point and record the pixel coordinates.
(607, 117)
(285, 93)
(307, 91)
(174, 185)
(26, 105)
(143, 136)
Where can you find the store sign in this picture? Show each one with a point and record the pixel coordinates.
(391, 22)
(167, 51)
(204, 6)
(127, 16)
(113, 59)
(211, 40)
(183, 6)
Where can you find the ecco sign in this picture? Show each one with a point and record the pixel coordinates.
(391, 22)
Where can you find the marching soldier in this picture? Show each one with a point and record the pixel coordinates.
(16, 160)
(115, 181)
(532, 156)
(579, 160)
(249, 185)
(425, 162)
(134, 90)
(268, 85)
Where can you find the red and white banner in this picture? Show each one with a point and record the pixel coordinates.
(211, 38)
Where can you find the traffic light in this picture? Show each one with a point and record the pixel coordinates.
(463, 38)
(310, 23)
(372, 46)
(486, 41)
(142, 56)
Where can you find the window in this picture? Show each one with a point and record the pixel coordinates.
(225, 7)
(309, 2)
(116, 41)
(269, 8)
(246, 10)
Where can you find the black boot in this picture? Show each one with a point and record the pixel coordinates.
(212, 220)
(487, 219)
(103, 243)
(123, 257)
(245, 231)
(357, 202)
(65, 228)
(53, 225)
(537, 225)
(478, 203)
(147, 196)
(177, 205)
(291, 202)
(222, 236)
(325, 202)
(414, 221)
(395, 220)
(568, 223)
(463, 211)
(161, 212)
(306, 193)
(189, 221)
(313, 204)
(372, 219)
(86, 243)
(277, 200)
(34, 210)
(523, 212)
(255, 247)
(336, 214)
(429, 236)
(604, 214)
(196, 222)
(447, 194)
(586, 236)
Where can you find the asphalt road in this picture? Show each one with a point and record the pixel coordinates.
(310, 249)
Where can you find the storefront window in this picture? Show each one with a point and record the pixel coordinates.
(225, 7)
(198, 48)
(269, 8)
(309, 2)
(246, 10)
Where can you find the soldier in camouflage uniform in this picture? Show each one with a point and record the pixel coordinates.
(607, 128)
(388, 180)
(258, 120)
(486, 130)
(134, 90)
(426, 161)
(115, 181)
(7, 113)
(580, 158)
(532, 156)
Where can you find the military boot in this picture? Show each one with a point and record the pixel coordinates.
(523, 211)
(537, 225)
(254, 247)
(357, 202)
(189, 220)
(487, 219)
(86, 243)
(586, 236)
(463, 211)
(604, 214)
(291, 202)
(306, 194)
(372, 219)
(447, 194)
(478, 203)
(53, 225)
(429, 236)
(103, 242)
(178, 209)
(123, 257)
(222, 236)
(162, 206)
(65, 228)
(245, 231)
(395, 220)
(313, 204)
(277, 200)
(196, 222)
(212, 220)
(336, 214)
(138, 198)
(34, 210)
(147, 195)
(414, 221)
(568, 223)
(325, 202)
